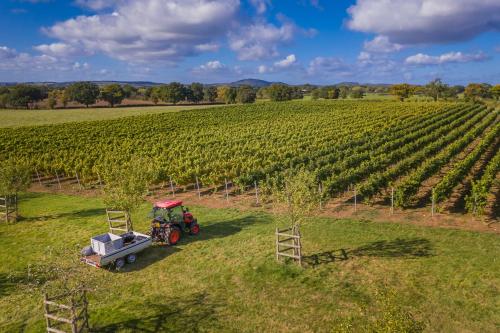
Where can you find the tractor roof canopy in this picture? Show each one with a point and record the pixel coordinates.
(168, 204)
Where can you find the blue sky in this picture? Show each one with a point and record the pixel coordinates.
(294, 41)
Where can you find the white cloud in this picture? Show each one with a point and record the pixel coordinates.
(263, 69)
(381, 44)
(79, 66)
(60, 50)
(451, 57)
(12, 61)
(260, 40)
(289, 61)
(261, 5)
(425, 21)
(324, 65)
(214, 65)
(162, 30)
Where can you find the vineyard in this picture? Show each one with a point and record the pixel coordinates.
(371, 145)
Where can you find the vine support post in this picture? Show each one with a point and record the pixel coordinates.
(172, 186)
(58, 180)
(78, 180)
(392, 200)
(100, 180)
(320, 191)
(433, 203)
(198, 187)
(256, 193)
(38, 176)
(355, 199)
(227, 192)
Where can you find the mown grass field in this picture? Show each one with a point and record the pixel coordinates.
(17, 118)
(226, 279)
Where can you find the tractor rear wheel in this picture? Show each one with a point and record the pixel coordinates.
(173, 236)
(194, 229)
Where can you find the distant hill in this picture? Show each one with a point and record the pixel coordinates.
(251, 82)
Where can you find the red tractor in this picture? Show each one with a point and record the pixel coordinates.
(170, 221)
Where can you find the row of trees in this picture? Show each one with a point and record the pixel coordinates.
(336, 92)
(88, 93)
(438, 90)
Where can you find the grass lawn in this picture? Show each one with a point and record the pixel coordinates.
(15, 118)
(226, 280)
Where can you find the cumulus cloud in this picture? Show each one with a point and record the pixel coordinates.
(289, 62)
(12, 61)
(163, 30)
(261, 40)
(381, 44)
(425, 21)
(261, 5)
(211, 66)
(60, 50)
(451, 57)
(324, 65)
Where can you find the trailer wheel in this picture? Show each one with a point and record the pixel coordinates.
(131, 258)
(119, 263)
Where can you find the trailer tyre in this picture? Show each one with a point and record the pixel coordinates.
(131, 258)
(119, 263)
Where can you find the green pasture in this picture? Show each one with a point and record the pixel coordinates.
(359, 276)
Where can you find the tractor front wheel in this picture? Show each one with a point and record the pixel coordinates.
(194, 229)
(174, 235)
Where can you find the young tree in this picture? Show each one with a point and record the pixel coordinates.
(401, 91)
(196, 92)
(246, 94)
(298, 193)
(113, 94)
(64, 97)
(15, 177)
(52, 99)
(129, 91)
(357, 92)
(210, 94)
(4, 97)
(333, 93)
(435, 89)
(85, 93)
(343, 92)
(279, 92)
(226, 94)
(126, 184)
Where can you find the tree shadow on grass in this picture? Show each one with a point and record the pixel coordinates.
(410, 248)
(186, 314)
(79, 214)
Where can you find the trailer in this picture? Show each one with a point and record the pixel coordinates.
(107, 249)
